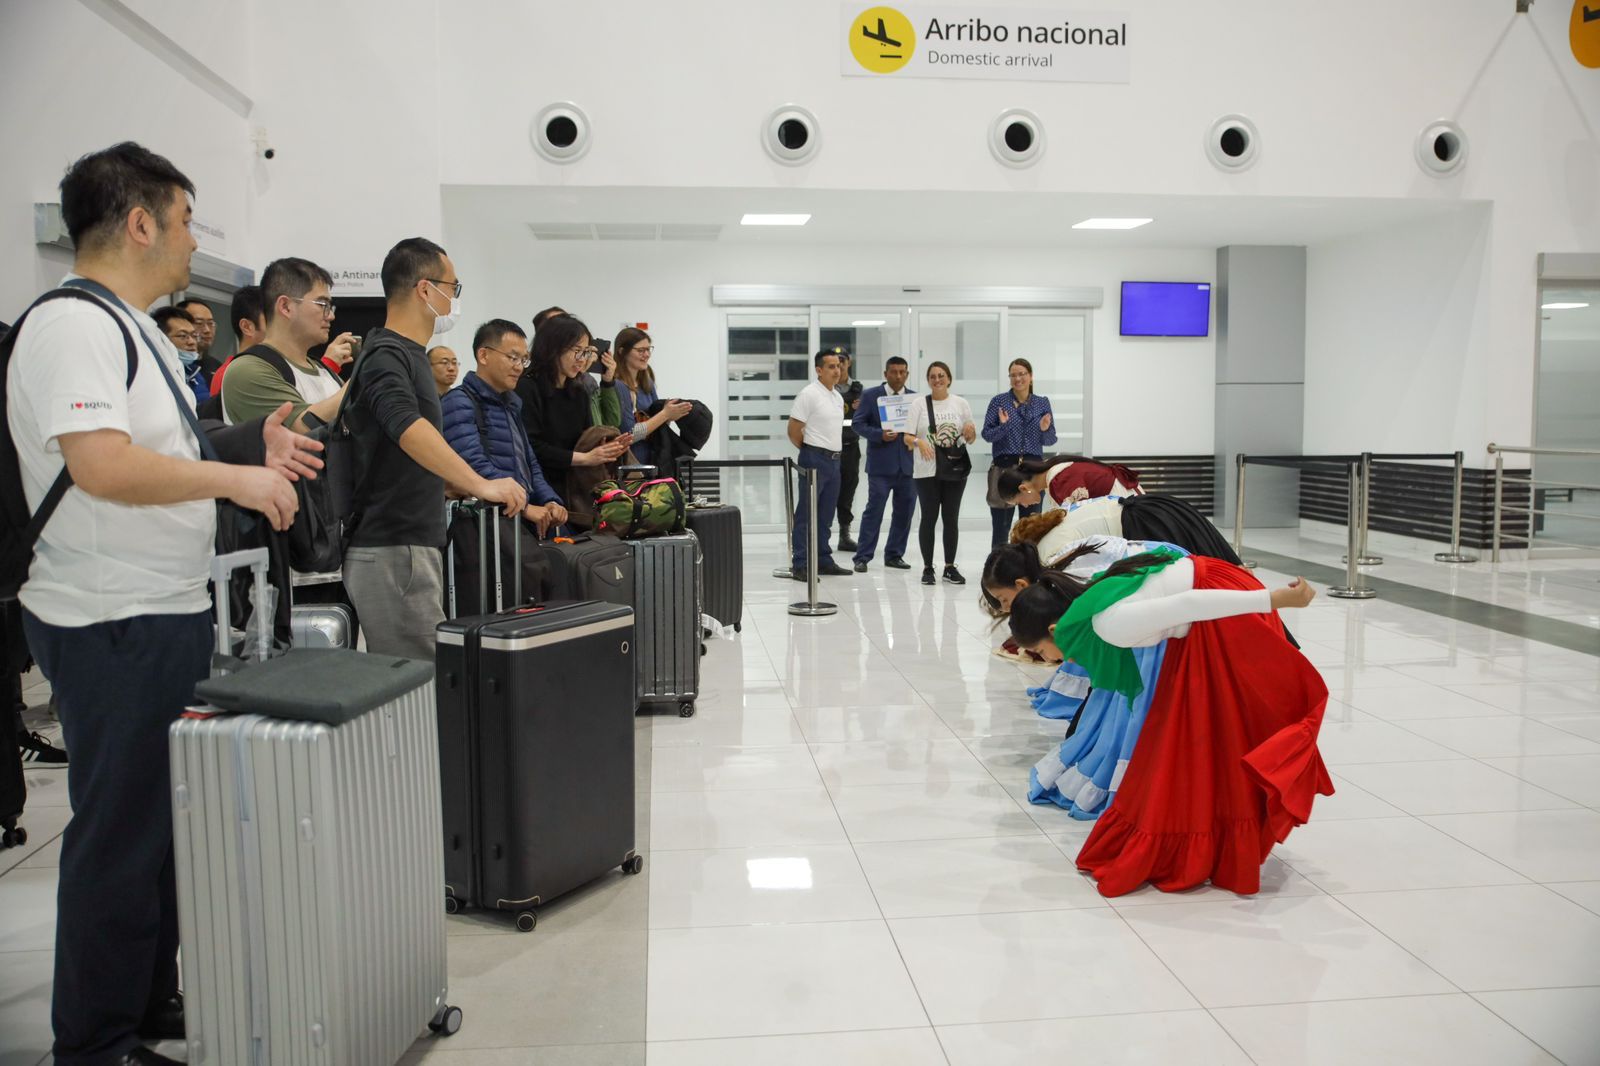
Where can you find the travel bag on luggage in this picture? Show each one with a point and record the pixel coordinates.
(591, 566)
(536, 743)
(721, 534)
(667, 607)
(306, 842)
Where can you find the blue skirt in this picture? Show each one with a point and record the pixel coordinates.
(1083, 775)
(1062, 697)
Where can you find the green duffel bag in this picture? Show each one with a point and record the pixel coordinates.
(639, 508)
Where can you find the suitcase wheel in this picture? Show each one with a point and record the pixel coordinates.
(686, 709)
(738, 627)
(452, 905)
(14, 838)
(633, 865)
(447, 1022)
(526, 920)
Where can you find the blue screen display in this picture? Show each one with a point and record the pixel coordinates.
(1166, 309)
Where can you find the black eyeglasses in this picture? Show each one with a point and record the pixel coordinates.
(454, 293)
(516, 360)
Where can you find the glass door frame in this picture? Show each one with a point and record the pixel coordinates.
(1087, 314)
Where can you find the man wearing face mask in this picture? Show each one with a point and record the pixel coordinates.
(394, 567)
(180, 328)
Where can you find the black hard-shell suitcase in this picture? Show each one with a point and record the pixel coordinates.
(536, 750)
(667, 615)
(594, 566)
(721, 534)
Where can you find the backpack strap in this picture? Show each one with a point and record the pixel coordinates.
(480, 419)
(279, 361)
(63, 482)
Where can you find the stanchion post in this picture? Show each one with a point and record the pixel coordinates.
(785, 572)
(1353, 589)
(1238, 513)
(1499, 478)
(1455, 555)
(811, 608)
(1366, 558)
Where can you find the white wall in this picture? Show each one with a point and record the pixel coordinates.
(73, 83)
(373, 105)
(1146, 393)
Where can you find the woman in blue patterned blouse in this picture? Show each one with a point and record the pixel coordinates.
(1019, 425)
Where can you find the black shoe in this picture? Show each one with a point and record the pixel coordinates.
(952, 575)
(927, 576)
(164, 1021)
(846, 544)
(896, 563)
(861, 566)
(798, 575)
(37, 750)
(832, 570)
(143, 1056)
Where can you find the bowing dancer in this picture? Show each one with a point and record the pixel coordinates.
(1136, 516)
(1227, 761)
(1082, 776)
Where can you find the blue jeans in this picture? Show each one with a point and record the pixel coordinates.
(118, 686)
(827, 504)
(880, 489)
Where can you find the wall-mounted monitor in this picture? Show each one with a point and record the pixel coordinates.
(1166, 308)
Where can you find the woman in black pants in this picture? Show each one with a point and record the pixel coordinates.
(941, 421)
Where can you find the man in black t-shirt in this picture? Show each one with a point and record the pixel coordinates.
(394, 567)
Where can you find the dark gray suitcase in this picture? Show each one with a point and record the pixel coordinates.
(667, 608)
(721, 534)
(536, 746)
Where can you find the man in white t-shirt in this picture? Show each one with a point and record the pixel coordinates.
(298, 308)
(816, 427)
(115, 604)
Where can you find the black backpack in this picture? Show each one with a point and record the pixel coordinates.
(19, 526)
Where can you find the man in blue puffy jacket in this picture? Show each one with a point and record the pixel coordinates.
(483, 420)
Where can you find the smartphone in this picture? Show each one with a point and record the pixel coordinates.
(601, 346)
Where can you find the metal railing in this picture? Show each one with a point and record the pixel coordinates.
(810, 607)
(1500, 451)
(1356, 468)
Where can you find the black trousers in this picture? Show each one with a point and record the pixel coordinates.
(118, 686)
(939, 499)
(849, 478)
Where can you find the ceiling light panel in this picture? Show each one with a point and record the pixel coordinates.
(1112, 223)
(774, 220)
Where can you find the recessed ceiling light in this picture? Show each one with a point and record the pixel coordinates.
(774, 220)
(1561, 307)
(1112, 223)
(869, 322)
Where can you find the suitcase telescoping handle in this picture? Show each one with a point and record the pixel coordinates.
(643, 471)
(222, 568)
(489, 515)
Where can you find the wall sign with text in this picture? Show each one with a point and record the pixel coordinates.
(996, 44)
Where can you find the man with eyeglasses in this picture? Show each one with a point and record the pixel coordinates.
(483, 421)
(394, 566)
(205, 325)
(298, 311)
(445, 366)
(179, 326)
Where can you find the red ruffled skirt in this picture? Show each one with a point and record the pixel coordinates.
(1227, 763)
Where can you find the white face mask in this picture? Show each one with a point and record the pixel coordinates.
(444, 323)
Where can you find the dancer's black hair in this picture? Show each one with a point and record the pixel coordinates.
(1054, 591)
(1020, 561)
(1011, 478)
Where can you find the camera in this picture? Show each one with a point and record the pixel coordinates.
(269, 153)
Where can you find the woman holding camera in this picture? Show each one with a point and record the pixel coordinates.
(941, 428)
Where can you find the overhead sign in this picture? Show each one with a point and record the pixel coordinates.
(996, 44)
(1584, 33)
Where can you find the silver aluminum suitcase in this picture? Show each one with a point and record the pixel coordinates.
(320, 625)
(309, 862)
(667, 597)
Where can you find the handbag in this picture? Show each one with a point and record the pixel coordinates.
(951, 463)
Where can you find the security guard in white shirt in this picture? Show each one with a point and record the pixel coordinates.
(816, 427)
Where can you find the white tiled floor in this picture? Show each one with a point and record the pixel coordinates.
(842, 866)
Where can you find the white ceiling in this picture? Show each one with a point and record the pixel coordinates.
(967, 219)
